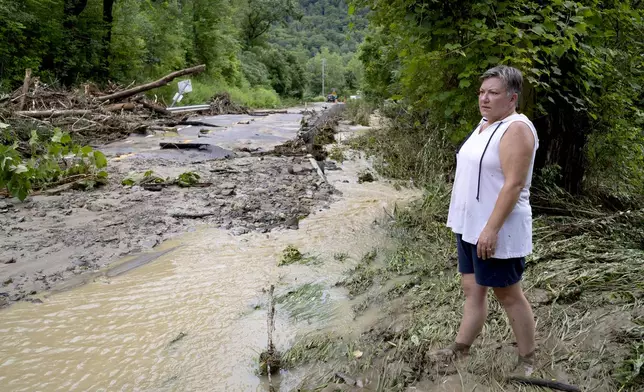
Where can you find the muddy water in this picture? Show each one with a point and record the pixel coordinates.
(194, 319)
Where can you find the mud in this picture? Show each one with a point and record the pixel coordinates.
(46, 240)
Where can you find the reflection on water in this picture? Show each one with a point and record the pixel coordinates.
(194, 319)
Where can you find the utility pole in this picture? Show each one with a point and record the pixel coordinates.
(323, 64)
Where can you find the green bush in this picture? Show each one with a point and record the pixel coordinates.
(61, 160)
(359, 111)
(203, 89)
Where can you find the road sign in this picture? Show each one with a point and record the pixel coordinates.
(185, 86)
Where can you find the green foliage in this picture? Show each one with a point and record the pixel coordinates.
(257, 17)
(290, 255)
(323, 23)
(147, 177)
(358, 111)
(581, 63)
(188, 179)
(61, 160)
(631, 371)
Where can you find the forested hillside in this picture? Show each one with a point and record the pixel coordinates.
(252, 48)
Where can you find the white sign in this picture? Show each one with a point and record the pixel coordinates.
(185, 86)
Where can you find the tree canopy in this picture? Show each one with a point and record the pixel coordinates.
(581, 62)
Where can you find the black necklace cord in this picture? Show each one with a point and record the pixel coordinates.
(478, 188)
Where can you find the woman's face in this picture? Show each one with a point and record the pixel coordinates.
(494, 101)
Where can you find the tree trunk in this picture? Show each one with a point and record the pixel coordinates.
(72, 9)
(108, 18)
(563, 135)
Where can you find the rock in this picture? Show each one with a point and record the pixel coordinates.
(292, 223)
(331, 165)
(300, 169)
(149, 243)
(10, 260)
(227, 225)
(41, 214)
(67, 212)
(79, 263)
(227, 185)
(239, 230)
(227, 192)
(7, 282)
(21, 219)
(366, 177)
(4, 205)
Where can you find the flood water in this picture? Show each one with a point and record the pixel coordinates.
(195, 318)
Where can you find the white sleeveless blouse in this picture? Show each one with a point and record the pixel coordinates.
(474, 197)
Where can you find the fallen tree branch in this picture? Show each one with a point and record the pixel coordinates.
(154, 107)
(120, 106)
(53, 113)
(197, 124)
(149, 86)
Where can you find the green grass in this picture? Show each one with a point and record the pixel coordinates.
(337, 153)
(584, 280)
(204, 88)
(359, 111)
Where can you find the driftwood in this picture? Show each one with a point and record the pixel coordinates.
(154, 107)
(183, 146)
(149, 86)
(197, 124)
(267, 112)
(53, 113)
(120, 106)
(25, 89)
(270, 360)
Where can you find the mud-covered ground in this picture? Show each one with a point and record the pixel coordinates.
(47, 239)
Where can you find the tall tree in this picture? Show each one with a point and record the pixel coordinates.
(575, 56)
(259, 15)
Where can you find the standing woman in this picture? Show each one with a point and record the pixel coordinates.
(490, 213)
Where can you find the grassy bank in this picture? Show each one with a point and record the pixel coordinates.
(204, 88)
(584, 281)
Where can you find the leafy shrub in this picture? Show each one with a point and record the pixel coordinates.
(61, 161)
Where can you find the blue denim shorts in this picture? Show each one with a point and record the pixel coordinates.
(490, 272)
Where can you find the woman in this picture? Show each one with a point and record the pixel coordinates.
(490, 212)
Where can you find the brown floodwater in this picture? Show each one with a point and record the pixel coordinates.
(194, 319)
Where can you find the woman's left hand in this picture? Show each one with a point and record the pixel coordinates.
(486, 245)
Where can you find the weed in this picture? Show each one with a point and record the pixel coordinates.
(188, 179)
(341, 257)
(311, 348)
(337, 153)
(305, 302)
(292, 255)
(359, 111)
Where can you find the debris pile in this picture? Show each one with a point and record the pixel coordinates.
(92, 115)
(317, 130)
(222, 104)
